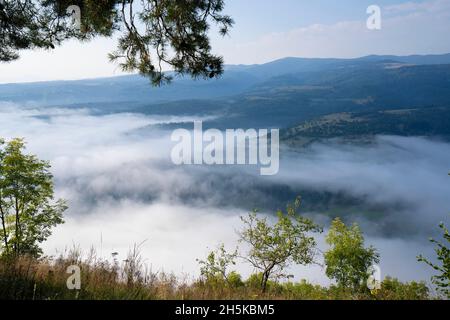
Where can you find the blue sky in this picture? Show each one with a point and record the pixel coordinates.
(266, 30)
(284, 15)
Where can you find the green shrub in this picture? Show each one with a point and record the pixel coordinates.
(393, 289)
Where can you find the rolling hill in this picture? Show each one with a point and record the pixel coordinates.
(359, 125)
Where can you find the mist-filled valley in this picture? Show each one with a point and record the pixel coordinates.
(344, 150)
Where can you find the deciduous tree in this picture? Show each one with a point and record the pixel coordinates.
(442, 279)
(273, 247)
(217, 264)
(348, 260)
(27, 208)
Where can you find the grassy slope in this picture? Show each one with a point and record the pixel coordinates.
(44, 279)
(360, 125)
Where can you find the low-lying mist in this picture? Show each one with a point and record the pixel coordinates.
(116, 173)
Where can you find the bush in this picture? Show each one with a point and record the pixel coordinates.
(304, 291)
(393, 289)
(235, 280)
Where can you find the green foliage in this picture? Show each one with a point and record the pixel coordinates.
(442, 280)
(215, 268)
(234, 280)
(254, 282)
(275, 247)
(347, 261)
(181, 26)
(29, 24)
(153, 33)
(304, 290)
(393, 289)
(27, 209)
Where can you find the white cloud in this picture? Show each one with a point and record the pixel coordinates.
(410, 28)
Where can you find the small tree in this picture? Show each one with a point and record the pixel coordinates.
(216, 265)
(27, 209)
(274, 247)
(348, 260)
(442, 280)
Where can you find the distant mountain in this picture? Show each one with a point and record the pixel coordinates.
(131, 88)
(286, 100)
(237, 80)
(295, 65)
(280, 94)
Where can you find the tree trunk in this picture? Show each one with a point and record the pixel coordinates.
(5, 235)
(265, 279)
(266, 276)
(18, 236)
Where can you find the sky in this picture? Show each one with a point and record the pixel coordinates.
(267, 30)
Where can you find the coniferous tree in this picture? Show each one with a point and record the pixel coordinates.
(153, 33)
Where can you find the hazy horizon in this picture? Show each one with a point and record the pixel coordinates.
(236, 65)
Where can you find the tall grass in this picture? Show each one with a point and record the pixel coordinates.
(101, 279)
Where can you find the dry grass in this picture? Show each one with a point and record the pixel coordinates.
(45, 279)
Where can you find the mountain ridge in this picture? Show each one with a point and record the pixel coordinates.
(418, 59)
